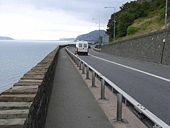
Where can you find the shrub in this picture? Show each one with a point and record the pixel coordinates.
(131, 30)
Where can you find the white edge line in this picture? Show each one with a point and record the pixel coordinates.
(145, 111)
(134, 69)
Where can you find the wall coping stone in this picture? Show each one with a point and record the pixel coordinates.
(25, 104)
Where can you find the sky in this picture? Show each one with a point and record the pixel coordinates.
(54, 19)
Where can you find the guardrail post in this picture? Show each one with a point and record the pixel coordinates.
(87, 72)
(79, 65)
(77, 62)
(126, 102)
(83, 68)
(119, 107)
(156, 126)
(93, 79)
(102, 89)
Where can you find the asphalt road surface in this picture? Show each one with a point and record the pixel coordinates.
(148, 83)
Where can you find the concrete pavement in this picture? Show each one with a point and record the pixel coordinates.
(72, 105)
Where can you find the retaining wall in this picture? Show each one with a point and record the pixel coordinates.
(25, 104)
(147, 47)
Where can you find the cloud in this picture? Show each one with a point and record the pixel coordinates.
(43, 19)
(83, 9)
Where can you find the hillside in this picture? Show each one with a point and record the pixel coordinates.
(148, 24)
(5, 38)
(93, 36)
(139, 17)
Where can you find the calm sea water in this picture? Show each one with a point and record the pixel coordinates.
(18, 57)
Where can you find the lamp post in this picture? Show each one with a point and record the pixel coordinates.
(100, 42)
(114, 22)
(99, 30)
(166, 27)
(166, 14)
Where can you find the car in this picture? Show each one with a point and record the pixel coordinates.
(82, 47)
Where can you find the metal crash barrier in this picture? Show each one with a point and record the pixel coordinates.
(121, 95)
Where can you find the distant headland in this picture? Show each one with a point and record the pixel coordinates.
(5, 38)
(66, 39)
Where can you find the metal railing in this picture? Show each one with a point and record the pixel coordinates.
(157, 123)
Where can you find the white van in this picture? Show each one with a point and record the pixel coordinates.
(82, 47)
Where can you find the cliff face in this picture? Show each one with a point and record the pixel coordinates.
(5, 38)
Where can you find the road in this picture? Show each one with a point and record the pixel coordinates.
(148, 83)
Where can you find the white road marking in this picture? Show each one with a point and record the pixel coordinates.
(134, 69)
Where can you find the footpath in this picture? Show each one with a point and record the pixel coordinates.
(72, 105)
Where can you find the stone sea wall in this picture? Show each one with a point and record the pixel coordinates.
(148, 47)
(25, 104)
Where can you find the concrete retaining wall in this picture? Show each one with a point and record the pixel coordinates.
(25, 104)
(147, 48)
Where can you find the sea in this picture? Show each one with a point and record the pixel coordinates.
(19, 56)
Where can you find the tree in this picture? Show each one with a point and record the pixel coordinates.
(126, 16)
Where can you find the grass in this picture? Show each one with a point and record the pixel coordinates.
(151, 23)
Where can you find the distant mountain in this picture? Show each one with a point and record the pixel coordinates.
(66, 39)
(5, 38)
(94, 36)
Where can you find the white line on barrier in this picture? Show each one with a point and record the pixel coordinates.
(134, 69)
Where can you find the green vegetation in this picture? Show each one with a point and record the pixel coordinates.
(137, 18)
(132, 30)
